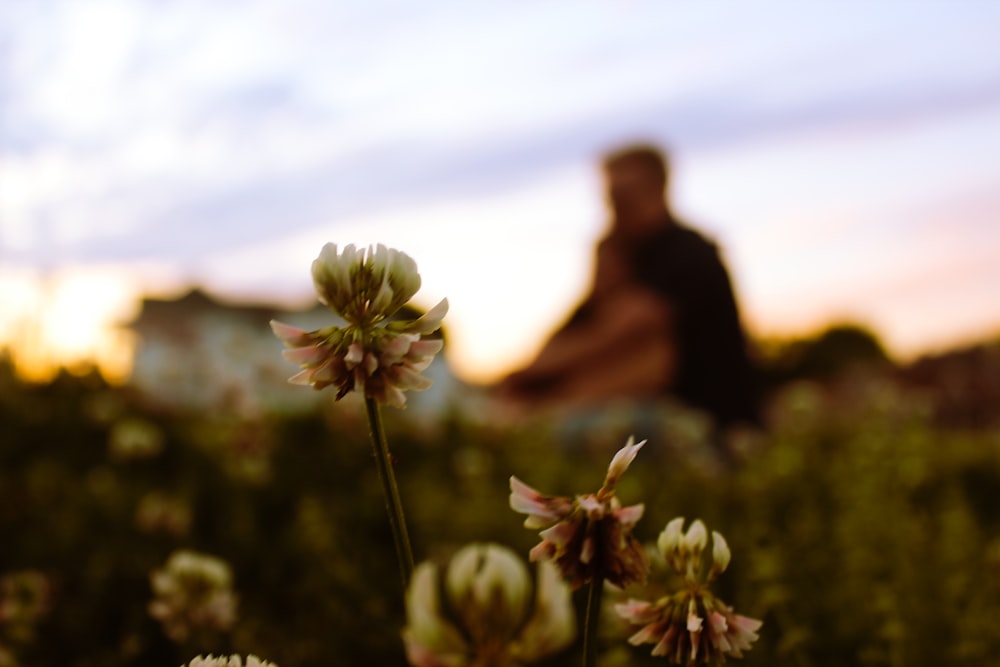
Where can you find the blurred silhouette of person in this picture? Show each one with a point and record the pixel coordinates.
(617, 344)
(660, 319)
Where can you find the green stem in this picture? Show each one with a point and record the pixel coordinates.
(393, 504)
(593, 616)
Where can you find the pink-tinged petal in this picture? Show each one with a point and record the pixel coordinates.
(332, 371)
(395, 347)
(648, 634)
(717, 622)
(430, 321)
(621, 461)
(541, 510)
(306, 356)
(421, 354)
(394, 397)
(355, 354)
(629, 516)
(694, 624)
(561, 534)
(406, 378)
(666, 642)
(636, 612)
(425, 348)
(542, 551)
(370, 364)
(304, 378)
(418, 655)
(587, 549)
(717, 632)
(744, 624)
(742, 631)
(593, 507)
(288, 334)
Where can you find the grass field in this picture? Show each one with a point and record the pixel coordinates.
(861, 533)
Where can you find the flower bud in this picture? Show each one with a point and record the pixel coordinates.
(720, 555)
(489, 586)
(495, 619)
(620, 463)
(695, 539)
(669, 542)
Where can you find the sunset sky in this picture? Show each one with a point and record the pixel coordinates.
(844, 155)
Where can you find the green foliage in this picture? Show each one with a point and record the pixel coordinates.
(822, 356)
(860, 534)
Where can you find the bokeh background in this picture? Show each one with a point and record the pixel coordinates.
(843, 157)
(168, 171)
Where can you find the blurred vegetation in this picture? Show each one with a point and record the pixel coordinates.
(861, 532)
(821, 356)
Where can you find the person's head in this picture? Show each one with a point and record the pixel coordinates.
(636, 178)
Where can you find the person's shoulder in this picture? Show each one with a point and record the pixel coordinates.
(691, 240)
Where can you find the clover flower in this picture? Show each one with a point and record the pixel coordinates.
(374, 354)
(588, 537)
(193, 592)
(157, 513)
(490, 617)
(231, 661)
(691, 626)
(25, 596)
(134, 438)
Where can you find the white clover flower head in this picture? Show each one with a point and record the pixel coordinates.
(230, 661)
(590, 536)
(25, 596)
(495, 620)
(134, 438)
(159, 513)
(376, 354)
(365, 286)
(193, 591)
(690, 626)
(683, 550)
(488, 585)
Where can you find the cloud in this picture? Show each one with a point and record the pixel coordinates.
(180, 132)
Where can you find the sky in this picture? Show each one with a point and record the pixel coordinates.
(843, 156)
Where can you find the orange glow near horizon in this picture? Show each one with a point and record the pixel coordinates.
(70, 320)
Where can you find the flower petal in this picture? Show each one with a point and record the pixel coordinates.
(553, 625)
(621, 461)
(541, 510)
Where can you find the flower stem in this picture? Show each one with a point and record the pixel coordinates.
(393, 504)
(593, 615)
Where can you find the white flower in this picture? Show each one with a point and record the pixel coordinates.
(589, 536)
(231, 661)
(690, 626)
(495, 621)
(374, 353)
(193, 591)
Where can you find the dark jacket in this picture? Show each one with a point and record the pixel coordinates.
(714, 371)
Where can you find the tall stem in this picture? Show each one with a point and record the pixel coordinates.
(393, 504)
(593, 616)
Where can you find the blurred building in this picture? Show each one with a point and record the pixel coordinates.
(196, 352)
